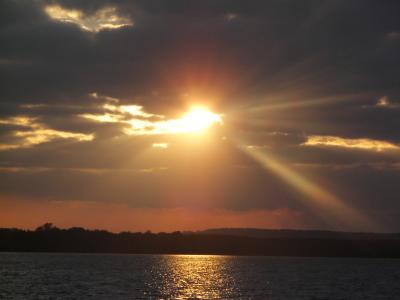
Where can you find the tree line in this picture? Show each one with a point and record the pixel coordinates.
(48, 238)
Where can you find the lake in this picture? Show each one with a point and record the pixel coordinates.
(108, 276)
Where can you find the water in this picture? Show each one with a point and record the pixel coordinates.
(107, 276)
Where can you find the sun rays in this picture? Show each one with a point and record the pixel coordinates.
(323, 203)
(326, 205)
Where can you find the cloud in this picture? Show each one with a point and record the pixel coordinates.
(384, 102)
(394, 35)
(364, 144)
(230, 17)
(143, 123)
(106, 18)
(136, 119)
(35, 133)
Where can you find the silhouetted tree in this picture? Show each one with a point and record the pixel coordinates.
(46, 227)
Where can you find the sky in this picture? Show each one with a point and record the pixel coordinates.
(187, 115)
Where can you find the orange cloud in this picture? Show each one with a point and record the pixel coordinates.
(37, 133)
(362, 143)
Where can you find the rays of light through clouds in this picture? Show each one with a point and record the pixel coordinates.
(323, 203)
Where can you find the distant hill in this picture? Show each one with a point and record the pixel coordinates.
(298, 234)
(231, 241)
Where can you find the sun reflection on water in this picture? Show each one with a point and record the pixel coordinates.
(193, 277)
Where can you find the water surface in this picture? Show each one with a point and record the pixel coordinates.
(108, 276)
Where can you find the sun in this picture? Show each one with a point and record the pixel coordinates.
(199, 119)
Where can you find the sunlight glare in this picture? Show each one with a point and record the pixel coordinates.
(199, 119)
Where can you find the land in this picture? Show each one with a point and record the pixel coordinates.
(48, 238)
